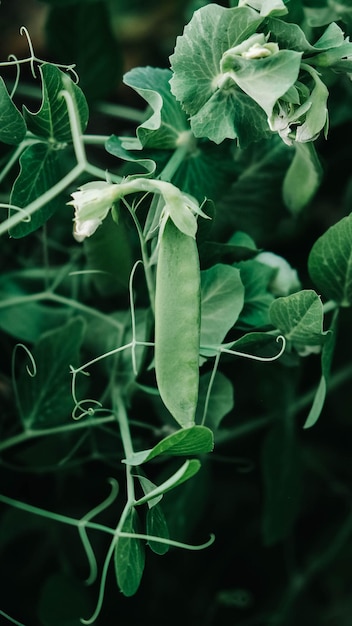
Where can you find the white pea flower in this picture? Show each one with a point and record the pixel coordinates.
(286, 280)
(92, 203)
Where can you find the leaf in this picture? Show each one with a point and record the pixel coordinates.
(157, 526)
(330, 262)
(184, 442)
(263, 345)
(45, 399)
(129, 557)
(222, 297)
(303, 177)
(196, 66)
(168, 122)
(83, 35)
(220, 402)
(256, 278)
(242, 207)
(300, 318)
(282, 483)
(12, 124)
(186, 471)
(41, 167)
(326, 360)
(52, 120)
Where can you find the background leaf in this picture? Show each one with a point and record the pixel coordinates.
(303, 177)
(46, 398)
(221, 399)
(330, 262)
(83, 35)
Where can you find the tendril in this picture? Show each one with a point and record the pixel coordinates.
(133, 318)
(24, 31)
(253, 357)
(14, 207)
(93, 567)
(31, 370)
(18, 74)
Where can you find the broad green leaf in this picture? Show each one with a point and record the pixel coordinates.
(330, 262)
(326, 360)
(157, 526)
(303, 177)
(256, 278)
(289, 35)
(12, 124)
(45, 399)
(148, 486)
(41, 167)
(282, 483)
(196, 65)
(184, 442)
(83, 35)
(300, 318)
(52, 121)
(220, 402)
(186, 471)
(222, 297)
(167, 125)
(266, 7)
(129, 557)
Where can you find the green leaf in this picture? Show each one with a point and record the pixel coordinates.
(52, 121)
(12, 124)
(256, 278)
(267, 7)
(45, 399)
(184, 442)
(168, 122)
(300, 318)
(330, 262)
(303, 177)
(282, 483)
(222, 297)
(129, 557)
(257, 344)
(148, 486)
(220, 402)
(157, 526)
(186, 471)
(83, 35)
(41, 167)
(326, 360)
(196, 65)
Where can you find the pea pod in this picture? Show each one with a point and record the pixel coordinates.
(177, 323)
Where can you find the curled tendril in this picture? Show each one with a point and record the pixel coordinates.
(90, 410)
(31, 370)
(24, 31)
(253, 357)
(18, 74)
(14, 207)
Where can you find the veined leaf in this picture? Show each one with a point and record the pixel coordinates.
(129, 557)
(196, 66)
(222, 297)
(256, 278)
(157, 526)
(52, 121)
(300, 318)
(12, 124)
(41, 168)
(330, 262)
(303, 177)
(45, 399)
(184, 442)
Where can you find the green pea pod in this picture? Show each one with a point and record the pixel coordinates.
(177, 323)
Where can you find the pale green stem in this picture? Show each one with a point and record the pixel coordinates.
(174, 163)
(122, 112)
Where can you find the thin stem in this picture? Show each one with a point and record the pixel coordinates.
(122, 112)
(174, 162)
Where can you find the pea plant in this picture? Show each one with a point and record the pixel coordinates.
(171, 297)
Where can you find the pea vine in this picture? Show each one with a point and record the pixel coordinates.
(118, 341)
